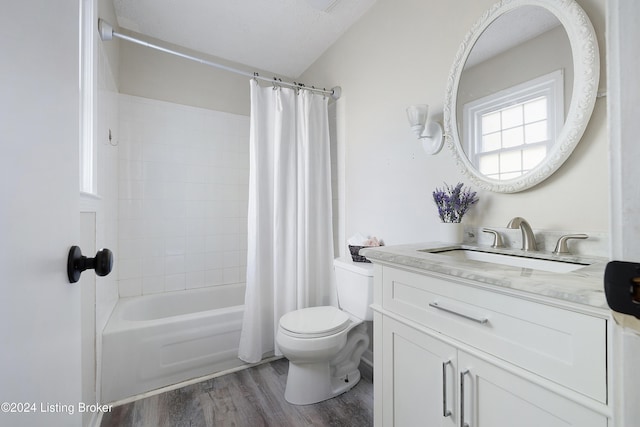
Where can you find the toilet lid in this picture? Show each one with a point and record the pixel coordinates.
(315, 321)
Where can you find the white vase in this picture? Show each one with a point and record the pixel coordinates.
(451, 232)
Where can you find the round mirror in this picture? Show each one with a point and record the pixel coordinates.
(521, 92)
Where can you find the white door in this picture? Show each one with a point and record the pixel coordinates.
(491, 396)
(39, 133)
(419, 378)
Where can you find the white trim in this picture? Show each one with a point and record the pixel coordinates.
(88, 149)
(623, 108)
(89, 202)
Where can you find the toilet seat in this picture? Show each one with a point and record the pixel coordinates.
(314, 322)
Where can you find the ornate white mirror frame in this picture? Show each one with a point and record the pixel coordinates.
(586, 63)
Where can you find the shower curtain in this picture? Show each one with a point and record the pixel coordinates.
(290, 239)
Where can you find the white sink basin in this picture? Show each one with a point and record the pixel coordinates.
(554, 266)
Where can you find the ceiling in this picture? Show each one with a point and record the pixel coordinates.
(510, 30)
(280, 36)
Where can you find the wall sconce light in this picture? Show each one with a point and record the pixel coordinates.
(430, 133)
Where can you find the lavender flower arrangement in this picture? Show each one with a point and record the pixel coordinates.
(453, 202)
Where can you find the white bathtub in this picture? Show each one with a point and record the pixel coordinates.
(157, 340)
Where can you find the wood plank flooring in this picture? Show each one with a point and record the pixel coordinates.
(252, 397)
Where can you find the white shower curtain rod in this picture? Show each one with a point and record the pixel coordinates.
(107, 33)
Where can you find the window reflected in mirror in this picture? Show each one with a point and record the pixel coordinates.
(510, 132)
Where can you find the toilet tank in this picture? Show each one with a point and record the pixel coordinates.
(354, 282)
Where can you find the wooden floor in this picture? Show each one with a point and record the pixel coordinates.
(252, 397)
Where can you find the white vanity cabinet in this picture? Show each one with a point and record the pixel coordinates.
(492, 396)
(451, 353)
(419, 378)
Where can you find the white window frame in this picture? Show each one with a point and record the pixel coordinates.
(88, 151)
(550, 86)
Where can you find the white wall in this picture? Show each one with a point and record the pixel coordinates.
(184, 174)
(151, 74)
(400, 54)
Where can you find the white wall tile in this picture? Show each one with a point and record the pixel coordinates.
(154, 266)
(129, 268)
(175, 282)
(195, 226)
(174, 264)
(195, 262)
(175, 245)
(174, 209)
(130, 228)
(213, 243)
(214, 260)
(231, 275)
(130, 190)
(130, 170)
(195, 244)
(130, 209)
(130, 248)
(153, 247)
(153, 227)
(195, 279)
(152, 285)
(183, 182)
(130, 287)
(214, 277)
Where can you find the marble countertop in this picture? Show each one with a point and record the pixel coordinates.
(584, 286)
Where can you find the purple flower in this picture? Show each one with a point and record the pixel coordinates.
(453, 202)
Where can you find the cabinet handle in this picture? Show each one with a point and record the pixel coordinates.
(463, 423)
(445, 411)
(481, 320)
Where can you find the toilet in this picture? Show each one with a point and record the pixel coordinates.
(324, 344)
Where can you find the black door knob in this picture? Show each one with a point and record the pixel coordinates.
(102, 263)
(622, 287)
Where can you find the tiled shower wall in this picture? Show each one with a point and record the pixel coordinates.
(183, 189)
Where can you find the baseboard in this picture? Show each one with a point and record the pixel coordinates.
(367, 357)
(366, 365)
(191, 382)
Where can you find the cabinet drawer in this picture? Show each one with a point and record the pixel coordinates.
(561, 345)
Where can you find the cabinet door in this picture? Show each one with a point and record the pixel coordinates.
(490, 396)
(419, 378)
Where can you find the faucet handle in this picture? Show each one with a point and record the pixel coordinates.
(561, 246)
(497, 238)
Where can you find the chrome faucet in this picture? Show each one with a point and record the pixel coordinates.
(528, 239)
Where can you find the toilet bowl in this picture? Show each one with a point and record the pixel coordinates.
(324, 344)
